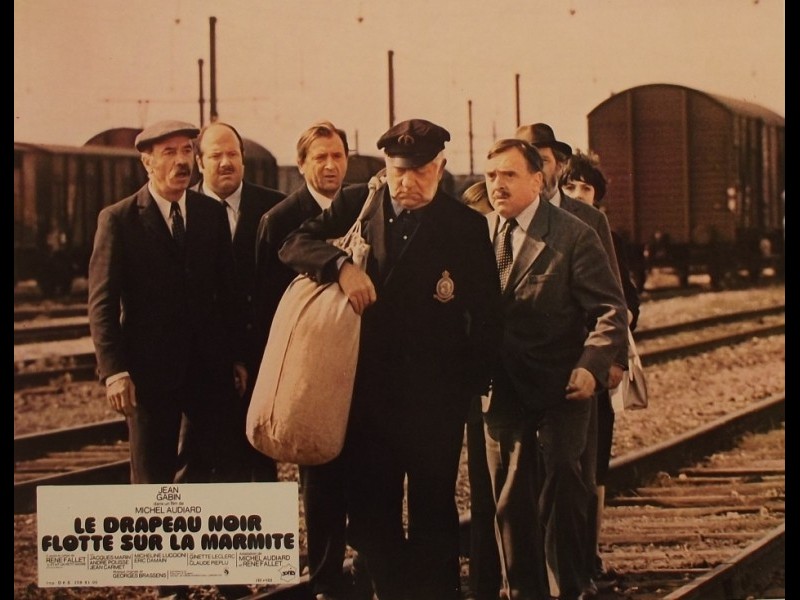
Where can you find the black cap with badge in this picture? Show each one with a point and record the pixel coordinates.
(413, 143)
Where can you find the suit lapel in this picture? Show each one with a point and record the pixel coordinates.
(307, 205)
(152, 220)
(532, 246)
(193, 218)
(246, 207)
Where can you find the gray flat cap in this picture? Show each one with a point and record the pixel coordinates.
(162, 130)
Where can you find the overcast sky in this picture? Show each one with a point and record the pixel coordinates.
(83, 66)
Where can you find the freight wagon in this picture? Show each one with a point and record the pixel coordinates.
(696, 180)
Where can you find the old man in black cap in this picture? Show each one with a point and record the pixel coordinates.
(161, 313)
(429, 302)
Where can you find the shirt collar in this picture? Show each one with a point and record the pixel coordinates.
(323, 201)
(524, 218)
(164, 204)
(556, 197)
(417, 212)
(234, 200)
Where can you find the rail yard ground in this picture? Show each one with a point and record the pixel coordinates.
(685, 393)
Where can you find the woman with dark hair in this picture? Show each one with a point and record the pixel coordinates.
(583, 180)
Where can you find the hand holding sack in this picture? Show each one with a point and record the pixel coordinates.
(301, 399)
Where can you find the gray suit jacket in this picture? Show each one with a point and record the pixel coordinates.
(560, 282)
(597, 220)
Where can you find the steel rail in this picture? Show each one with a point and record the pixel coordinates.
(743, 575)
(83, 366)
(732, 317)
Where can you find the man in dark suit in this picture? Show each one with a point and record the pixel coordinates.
(322, 152)
(322, 160)
(220, 159)
(162, 315)
(429, 302)
(564, 323)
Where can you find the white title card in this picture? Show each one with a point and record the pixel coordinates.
(177, 534)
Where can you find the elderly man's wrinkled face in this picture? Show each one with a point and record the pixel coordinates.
(511, 183)
(221, 161)
(414, 187)
(169, 165)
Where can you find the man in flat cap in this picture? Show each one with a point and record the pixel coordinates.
(429, 302)
(161, 313)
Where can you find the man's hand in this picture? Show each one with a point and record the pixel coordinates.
(121, 395)
(615, 374)
(581, 384)
(357, 286)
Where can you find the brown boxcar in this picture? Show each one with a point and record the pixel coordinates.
(696, 180)
(59, 191)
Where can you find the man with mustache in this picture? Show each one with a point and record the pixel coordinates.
(430, 324)
(220, 157)
(565, 320)
(162, 314)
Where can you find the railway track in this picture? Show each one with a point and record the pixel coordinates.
(45, 458)
(50, 330)
(82, 366)
(30, 313)
(699, 516)
(628, 473)
(707, 529)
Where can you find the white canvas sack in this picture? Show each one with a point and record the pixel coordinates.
(301, 399)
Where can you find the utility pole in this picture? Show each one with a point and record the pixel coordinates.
(202, 100)
(471, 164)
(516, 78)
(391, 88)
(213, 116)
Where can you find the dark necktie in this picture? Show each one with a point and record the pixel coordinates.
(504, 252)
(178, 228)
(227, 208)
